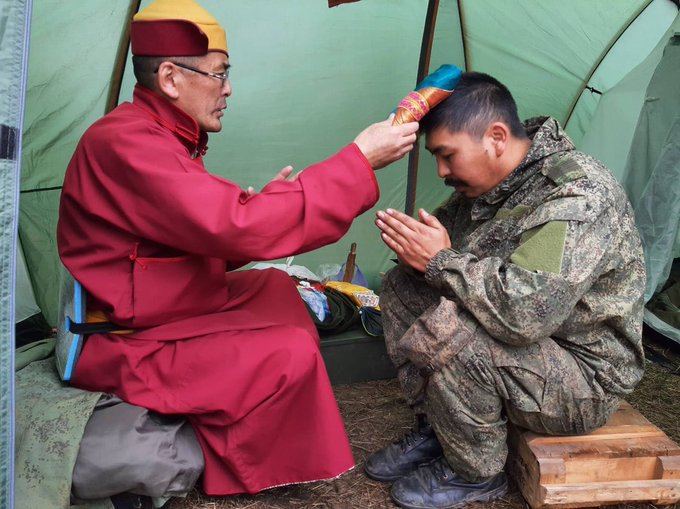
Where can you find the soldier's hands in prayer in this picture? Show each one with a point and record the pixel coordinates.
(414, 242)
(384, 143)
(283, 174)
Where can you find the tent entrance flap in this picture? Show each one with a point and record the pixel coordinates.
(14, 37)
(655, 151)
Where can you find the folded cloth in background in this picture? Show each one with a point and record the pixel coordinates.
(371, 321)
(316, 301)
(342, 315)
(360, 295)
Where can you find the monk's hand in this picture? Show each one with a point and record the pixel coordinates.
(283, 174)
(414, 242)
(384, 143)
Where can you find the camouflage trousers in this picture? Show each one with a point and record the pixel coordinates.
(470, 385)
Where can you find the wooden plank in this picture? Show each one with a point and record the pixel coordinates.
(596, 494)
(527, 472)
(628, 460)
(668, 467)
(650, 446)
(625, 423)
(544, 440)
(608, 469)
(553, 471)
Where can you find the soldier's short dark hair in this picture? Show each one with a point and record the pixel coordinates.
(145, 68)
(477, 102)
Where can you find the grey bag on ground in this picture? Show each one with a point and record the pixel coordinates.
(126, 448)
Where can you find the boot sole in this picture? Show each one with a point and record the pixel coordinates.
(381, 478)
(482, 497)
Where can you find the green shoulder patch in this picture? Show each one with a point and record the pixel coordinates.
(518, 212)
(562, 169)
(542, 248)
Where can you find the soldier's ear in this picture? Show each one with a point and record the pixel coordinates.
(167, 78)
(497, 135)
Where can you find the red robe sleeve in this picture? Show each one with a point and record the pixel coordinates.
(152, 189)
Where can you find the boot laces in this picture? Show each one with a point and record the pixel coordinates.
(410, 439)
(441, 470)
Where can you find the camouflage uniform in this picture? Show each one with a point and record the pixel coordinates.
(534, 315)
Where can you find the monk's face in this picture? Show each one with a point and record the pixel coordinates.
(465, 162)
(204, 97)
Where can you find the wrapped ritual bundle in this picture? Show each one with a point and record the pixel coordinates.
(436, 87)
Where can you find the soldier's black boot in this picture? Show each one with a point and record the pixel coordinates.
(418, 447)
(436, 486)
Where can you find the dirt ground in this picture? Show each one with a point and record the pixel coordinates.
(375, 413)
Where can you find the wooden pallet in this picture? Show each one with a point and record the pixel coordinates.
(628, 460)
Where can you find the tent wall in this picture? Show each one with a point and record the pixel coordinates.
(634, 46)
(299, 95)
(632, 132)
(14, 23)
(609, 134)
(24, 300)
(70, 70)
(656, 150)
(307, 78)
(543, 51)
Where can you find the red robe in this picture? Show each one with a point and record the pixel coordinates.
(151, 235)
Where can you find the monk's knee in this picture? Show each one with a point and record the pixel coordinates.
(299, 348)
(277, 278)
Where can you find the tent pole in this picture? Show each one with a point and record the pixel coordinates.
(121, 58)
(461, 22)
(603, 55)
(423, 68)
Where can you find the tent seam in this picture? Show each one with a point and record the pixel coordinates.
(598, 62)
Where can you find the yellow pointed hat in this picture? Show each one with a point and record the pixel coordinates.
(176, 28)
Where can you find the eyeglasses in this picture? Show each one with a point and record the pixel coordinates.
(223, 77)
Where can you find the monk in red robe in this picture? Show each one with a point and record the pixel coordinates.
(152, 237)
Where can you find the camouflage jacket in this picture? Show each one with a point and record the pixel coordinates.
(552, 251)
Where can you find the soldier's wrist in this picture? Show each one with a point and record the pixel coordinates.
(436, 265)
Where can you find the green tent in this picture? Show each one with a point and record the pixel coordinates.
(306, 80)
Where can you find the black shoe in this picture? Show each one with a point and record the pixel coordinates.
(131, 501)
(418, 447)
(436, 486)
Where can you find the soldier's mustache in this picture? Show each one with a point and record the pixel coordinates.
(453, 182)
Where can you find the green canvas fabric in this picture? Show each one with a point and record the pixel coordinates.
(14, 17)
(38, 214)
(612, 127)
(544, 52)
(342, 71)
(633, 47)
(67, 91)
(666, 305)
(51, 418)
(663, 310)
(24, 298)
(301, 94)
(634, 131)
(340, 53)
(656, 148)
